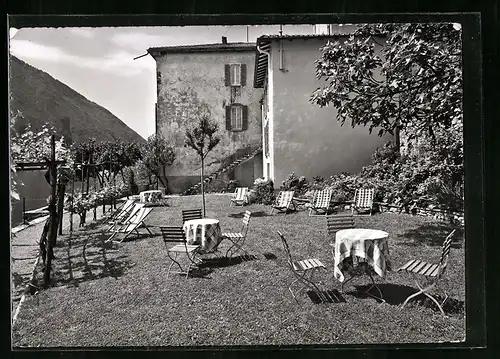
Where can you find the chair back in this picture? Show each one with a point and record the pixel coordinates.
(190, 214)
(246, 221)
(443, 262)
(129, 203)
(284, 198)
(141, 215)
(173, 234)
(363, 197)
(322, 198)
(133, 213)
(285, 246)
(338, 222)
(241, 193)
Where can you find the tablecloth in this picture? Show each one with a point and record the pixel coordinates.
(150, 196)
(369, 244)
(206, 232)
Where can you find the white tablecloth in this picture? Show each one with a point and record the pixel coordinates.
(370, 244)
(150, 196)
(205, 230)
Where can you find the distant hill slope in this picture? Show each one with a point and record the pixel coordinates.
(43, 99)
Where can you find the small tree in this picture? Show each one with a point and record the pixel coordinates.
(202, 139)
(156, 156)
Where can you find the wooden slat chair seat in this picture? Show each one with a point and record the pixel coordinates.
(240, 196)
(363, 200)
(284, 202)
(303, 271)
(190, 214)
(173, 234)
(322, 203)
(238, 238)
(130, 215)
(136, 222)
(432, 271)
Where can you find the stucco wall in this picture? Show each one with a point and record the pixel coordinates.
(188, 82)
(308, 140)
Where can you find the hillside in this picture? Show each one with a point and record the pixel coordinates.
(43, 99)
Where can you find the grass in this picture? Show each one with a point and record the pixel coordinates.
(118, 295)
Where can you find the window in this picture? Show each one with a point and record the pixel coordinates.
(236, 117)
(235, 74)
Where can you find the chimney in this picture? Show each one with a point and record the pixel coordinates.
(224, 40)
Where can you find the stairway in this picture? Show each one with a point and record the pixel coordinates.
(229, 167)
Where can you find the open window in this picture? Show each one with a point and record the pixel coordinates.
(236, 117)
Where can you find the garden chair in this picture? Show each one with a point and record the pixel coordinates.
(132, 225)
(363, 200)
(131, 213)
(321, 203)
(284, 202)
(336, 223)
(238, 238)
(189, 214)
(239, 197)
(121, 212)
(177, 235)
(303, 271)
(432, 272)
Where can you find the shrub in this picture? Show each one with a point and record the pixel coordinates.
(262, 192)
(294, 183)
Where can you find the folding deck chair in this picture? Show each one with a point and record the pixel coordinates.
(303, 271)
(321, 203)
(433, 272)
(238, 238)
(363, 200)
(132, 225)
(240, 196)
(131, 213)
(177, 235)
(284, 202)
(121, 212)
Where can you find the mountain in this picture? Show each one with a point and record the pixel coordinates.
(42, 99)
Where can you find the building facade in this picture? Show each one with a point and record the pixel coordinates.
(214, 79)
(299, 136)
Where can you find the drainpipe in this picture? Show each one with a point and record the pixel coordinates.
(281, 48)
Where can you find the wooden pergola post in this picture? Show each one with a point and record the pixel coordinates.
(53, 214)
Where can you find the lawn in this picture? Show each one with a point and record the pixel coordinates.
(118, 295)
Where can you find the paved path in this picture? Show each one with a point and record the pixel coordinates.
(25, 250)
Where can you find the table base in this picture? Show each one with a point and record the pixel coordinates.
(365, 271)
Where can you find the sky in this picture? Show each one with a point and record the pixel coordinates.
(99, 62)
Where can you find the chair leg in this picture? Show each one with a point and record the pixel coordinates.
(374, 285)
(422, 291)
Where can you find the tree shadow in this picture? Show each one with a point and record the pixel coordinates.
(396, 294)
(254, 214)
(434, 235)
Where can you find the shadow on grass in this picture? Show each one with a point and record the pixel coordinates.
(269, 256)
(396, 294)
(331, 296)
(254, 214)
(433, 235)
(221, 262)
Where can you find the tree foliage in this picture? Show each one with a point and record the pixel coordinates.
(389, 76)
(157, 154)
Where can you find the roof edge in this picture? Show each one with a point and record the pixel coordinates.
(234, 47)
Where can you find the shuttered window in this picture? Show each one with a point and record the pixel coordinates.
(235, 74)
(236, 117)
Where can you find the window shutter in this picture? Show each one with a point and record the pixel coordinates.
(243, 77)
(228, 118)
(244, 111)
(227, 71)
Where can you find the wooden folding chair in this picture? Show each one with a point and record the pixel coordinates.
(363, 200)
(240, 196)
(321, 203)
(121, 212)
(131, 213)
(303, 271)
(336, 223)
(284, 202)
(432, 272)
(177, 235)
(190, 214)
(133, 225)
(238, 238)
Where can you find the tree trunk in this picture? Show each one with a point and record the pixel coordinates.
(72, 201)
(202, 187)
(53, 215)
